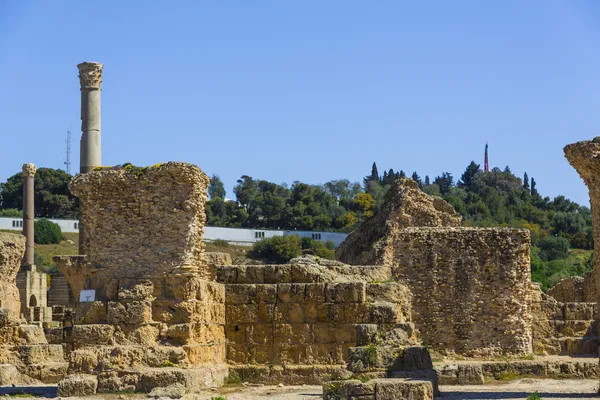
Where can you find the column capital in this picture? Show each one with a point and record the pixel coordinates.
(29, 169)
(90, 75)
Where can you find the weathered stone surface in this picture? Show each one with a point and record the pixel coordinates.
(77, 385)
(12, 248)
(142, 222)
(174, 391)
(576, 289)
(379, 389)
(487, 269)
(405, 205)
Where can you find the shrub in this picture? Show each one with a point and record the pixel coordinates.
(307, 243)
(278, 248)
(11, 213)
(534, 396)
(553, 247)
(330, 244)
(320, 249)
(47, 232)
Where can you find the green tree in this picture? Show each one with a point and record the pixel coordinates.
(467, 176)
(415, 177)
(51, 194)
(526, 182)
(216, 189)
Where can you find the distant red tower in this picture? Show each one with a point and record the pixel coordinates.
(486, 166)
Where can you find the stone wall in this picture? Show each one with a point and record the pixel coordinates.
(471, 287)
(297, 322)
(405, 205)
(158, 318)
(143, 222)
(12, 248)
(575, 289)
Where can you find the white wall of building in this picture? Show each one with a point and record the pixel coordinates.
(241, 236)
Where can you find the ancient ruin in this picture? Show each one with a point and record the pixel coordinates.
(25, 355)
(419, 237)
(585, 158)
(152, 312)
(31, 283)
(153, 316)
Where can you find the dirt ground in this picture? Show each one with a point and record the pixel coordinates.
(520, 389)
(548, 389)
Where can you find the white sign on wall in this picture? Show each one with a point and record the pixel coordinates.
(86, 296)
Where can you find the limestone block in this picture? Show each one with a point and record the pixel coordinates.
(291, 292)
(396, 389)
(99, 334)
(350, 389)
(278, 273)
(201, 354)
(315, 292)
(292, 313)
(174, 391)
(82, 361)
(346, 292)
(240, 294)
(91, 313)
(118, 381)
(78, 385)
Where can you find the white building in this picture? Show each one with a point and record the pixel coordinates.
(241, 236)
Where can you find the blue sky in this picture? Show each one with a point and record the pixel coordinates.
(307, 90)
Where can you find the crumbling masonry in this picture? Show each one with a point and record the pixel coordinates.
(585, 158)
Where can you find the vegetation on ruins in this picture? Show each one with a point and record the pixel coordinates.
(47, 232)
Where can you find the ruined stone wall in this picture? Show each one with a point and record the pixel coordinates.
(405, 205)
(143, 222)
(581, 289)
(158, 318)
(12, 248)
(297, 322)
(471, 287)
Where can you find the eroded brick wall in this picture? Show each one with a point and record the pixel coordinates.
(471, 287)
(286, 315)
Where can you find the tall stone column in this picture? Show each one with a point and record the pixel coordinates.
(90, 79)
(29, 215)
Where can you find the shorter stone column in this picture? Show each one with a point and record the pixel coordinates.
(29, 215)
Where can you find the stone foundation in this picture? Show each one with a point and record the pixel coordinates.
(301, 322)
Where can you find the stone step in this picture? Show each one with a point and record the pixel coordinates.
(50, 372)
(40, 353)
(482, 372)
(379, 389)
(146, 379)
(577, 346)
